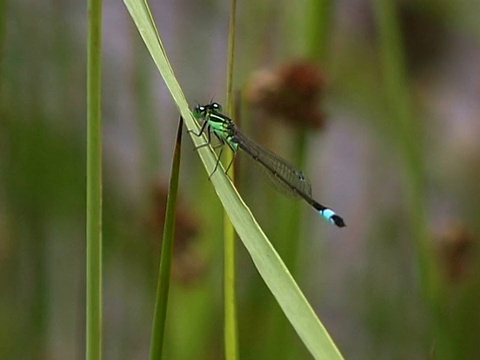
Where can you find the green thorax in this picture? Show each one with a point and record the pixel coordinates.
(222, 126)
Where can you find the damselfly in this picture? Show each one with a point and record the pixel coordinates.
(284, 176)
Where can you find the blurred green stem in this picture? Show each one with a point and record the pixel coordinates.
(318, 28)
(94, 183)
(3, 27)
(317, 32)
(290, 247)
(230, 296)
(410, 134)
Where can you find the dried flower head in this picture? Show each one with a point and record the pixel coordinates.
(291, 93)
(187, 266)
(455, 251)
(423, 52)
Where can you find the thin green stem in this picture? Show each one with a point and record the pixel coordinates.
(317, 31)
(410, 134)
(94, 183)
(318, 28)
(231, 57)
(159, 320)
(410, 143)
(230, 298)
(3, 27)
(281, 342)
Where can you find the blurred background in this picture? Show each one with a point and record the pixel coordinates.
(378, 102)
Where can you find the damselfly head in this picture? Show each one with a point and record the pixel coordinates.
(199, 111)
(202, 110)
(300, 175)
(213, 106)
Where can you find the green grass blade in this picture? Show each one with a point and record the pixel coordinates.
(159, 320)
(94, 183)
(268, 263)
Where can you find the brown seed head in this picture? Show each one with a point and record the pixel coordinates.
(291, 93)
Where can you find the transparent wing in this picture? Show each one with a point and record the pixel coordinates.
(283, 176)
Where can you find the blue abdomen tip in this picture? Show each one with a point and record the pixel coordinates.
(327, 214)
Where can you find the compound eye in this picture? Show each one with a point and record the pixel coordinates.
(201, 108)
(216, 106)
